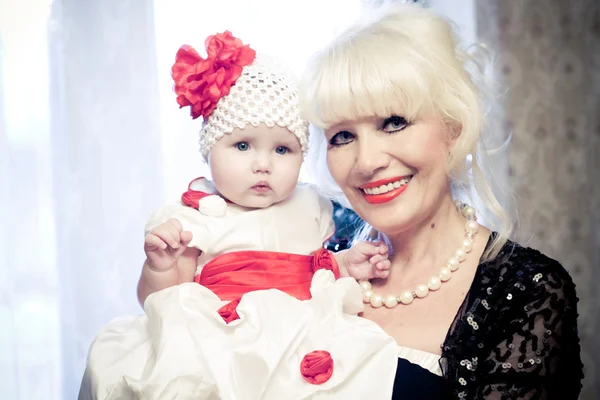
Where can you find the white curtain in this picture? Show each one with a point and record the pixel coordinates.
(29, 289)
(91, 141)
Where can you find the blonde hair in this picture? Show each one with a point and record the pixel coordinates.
(406, 59)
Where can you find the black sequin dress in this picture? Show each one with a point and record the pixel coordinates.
(514, 337)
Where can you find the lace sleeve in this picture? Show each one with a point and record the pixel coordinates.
(534, 347)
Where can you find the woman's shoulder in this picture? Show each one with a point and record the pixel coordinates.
(521, 317)
(524, 276)
(517, 264)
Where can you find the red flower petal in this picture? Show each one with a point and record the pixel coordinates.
(201, 67)
(202, 83)
(220, 76)
(245, 56)
(183, 101)
(187, 55)
(229, 311)
(317, 367)
(214, 92)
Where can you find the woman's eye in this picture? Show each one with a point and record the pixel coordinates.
(242, 146)
(282, 150)
(341, 138)
(394, 124)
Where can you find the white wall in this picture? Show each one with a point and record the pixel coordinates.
(462, 12)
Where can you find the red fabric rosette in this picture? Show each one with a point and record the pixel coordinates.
(324, 259)
(229, 311)
(201, 83)
(317, 367)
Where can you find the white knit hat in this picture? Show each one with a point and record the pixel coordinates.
(264, 92)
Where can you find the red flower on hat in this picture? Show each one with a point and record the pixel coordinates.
(201, 83)
(317, 367)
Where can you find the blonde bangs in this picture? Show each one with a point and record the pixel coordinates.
(353, 80)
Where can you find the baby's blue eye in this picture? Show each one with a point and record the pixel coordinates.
(242, 146)
(282, 150)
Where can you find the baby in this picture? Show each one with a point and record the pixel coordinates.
(241, 298)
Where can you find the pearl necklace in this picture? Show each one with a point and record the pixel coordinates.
(434, 282)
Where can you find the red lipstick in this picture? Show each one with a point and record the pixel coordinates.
(382, 182)
(384, 197)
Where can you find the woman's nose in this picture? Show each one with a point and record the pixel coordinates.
(370, 158)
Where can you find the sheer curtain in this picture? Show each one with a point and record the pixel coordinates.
(29, 290)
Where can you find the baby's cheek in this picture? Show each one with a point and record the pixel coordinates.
(287, 187)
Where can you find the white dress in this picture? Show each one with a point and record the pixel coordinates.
(183, 349)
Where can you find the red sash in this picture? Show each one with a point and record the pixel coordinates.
(232, 275)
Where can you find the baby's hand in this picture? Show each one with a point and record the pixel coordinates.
(165, 244)
(367, 260)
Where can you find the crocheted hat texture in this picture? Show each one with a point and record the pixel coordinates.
(264, 91)
(262, 94)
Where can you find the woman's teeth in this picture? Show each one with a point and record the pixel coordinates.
(386, 188)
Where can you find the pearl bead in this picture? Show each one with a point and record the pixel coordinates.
(453, 263)
(376, 301)
(467, 245)
(367, 294)
(457, 203)
(366, 285)
(469, 212)
(445, 274)
(461, 254)
(472, 226)
(422, 291)
(434, 283)
(390, 301)
(406, 297)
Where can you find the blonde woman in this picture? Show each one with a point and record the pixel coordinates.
(474, 314)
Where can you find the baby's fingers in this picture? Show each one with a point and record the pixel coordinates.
(382, 269)
(383, 265)
(384, 249)
(168, 234)
(186, 238)
(377, 258)
(382, 274)
(174, 228)
(152, 242)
